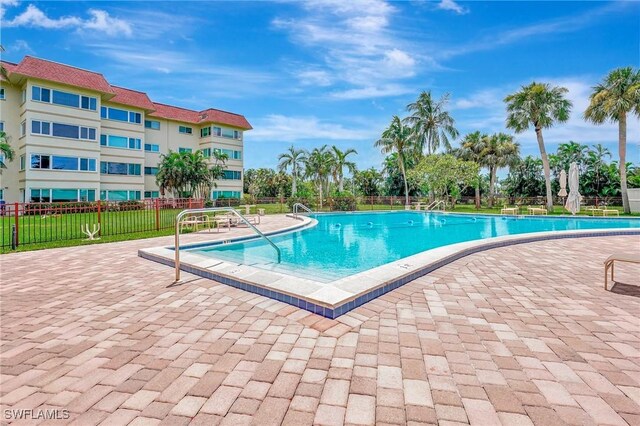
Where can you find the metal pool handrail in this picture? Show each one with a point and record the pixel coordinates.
(207, 210)
(297, 205)
(435, 204)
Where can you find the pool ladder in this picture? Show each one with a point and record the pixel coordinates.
(435, 204)
(296, 206)
(183, 213)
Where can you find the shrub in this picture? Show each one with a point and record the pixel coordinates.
(307, 201)
(343, 201)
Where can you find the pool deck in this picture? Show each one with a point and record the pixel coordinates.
(522, 335)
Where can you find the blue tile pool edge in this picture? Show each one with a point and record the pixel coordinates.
(375, 292)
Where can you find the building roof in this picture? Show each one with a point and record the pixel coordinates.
(9, 66)
(65, 74)
(223, 117)
(175, 113)
(200, 117)
(60, 73)
(131, 98)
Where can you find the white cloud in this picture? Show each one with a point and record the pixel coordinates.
(353, 43)
(452, 6)
(278, 127)
(369, 92)
(99, 20)
(6, 3)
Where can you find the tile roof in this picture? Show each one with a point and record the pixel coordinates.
(9, 66)
(223, 117)
(60, 73)
(72, 76)
(131, 98)
(175, 113)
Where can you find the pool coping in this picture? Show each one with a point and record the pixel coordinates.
(340, 296)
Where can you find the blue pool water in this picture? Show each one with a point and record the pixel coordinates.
(343, 244)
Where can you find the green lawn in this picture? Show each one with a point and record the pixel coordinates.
(39, 232)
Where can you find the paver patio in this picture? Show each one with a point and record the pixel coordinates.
(515, 336)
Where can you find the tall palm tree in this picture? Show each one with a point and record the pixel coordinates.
(472, 148)
(500, 151)
(397, 139)
(540, 105)
(340, 161)
(6, 152)
(432, 126)
(318, 168)
(612, 100)
(293, 158)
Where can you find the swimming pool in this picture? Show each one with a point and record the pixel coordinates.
(343, 244)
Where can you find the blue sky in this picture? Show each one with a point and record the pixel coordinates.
(334, 72)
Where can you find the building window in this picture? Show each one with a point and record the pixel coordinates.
(1, 194)
(109, 113)
(2, 93)
(206, 152)
(59, 97)
(227, 133)
(1, 126)
(225, 194)
(150, 147)
(23, 161)
(151, 171)
(24, 95)
(23, 128)
(39, 195)
(113, 141)
(181, 150)
(232, 175)
(112, 168)
(204, 132)
(185, 130)
(151, 194)
(63, 130)
(230, 153)
(152, 124)
(119, 195)
(58, 162)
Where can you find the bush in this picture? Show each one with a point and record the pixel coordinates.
(130, 205)
(307, 201)
(343, 201)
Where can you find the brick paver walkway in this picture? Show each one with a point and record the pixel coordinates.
(515, 336)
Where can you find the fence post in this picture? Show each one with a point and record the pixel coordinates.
(189, 202)
(16, 218)
(157, 214)
(99, 218)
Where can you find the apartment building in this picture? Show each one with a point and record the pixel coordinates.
(79, 138)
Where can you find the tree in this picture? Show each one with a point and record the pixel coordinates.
(6, 151)
(397, 139)
(368, 181)
(500, 151)
(612, 100)
(294, 159)
(472, 149)
(188, 174)
(444, 174)
(525, 178)
(540, 105)
(595, 164)
(431, 125)
(340, 162)
(318, 168)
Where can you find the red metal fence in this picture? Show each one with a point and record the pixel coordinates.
(35, 223)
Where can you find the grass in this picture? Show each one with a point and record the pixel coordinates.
(41, 232)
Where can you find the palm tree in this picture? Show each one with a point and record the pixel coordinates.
(397, 138)
(188, 174)
(540, 105)
(295, 159)
(431, 124)
(318, 167)
(340, 162)
(500, 151)
(611, 100)
(6, 152)
(472, 148)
